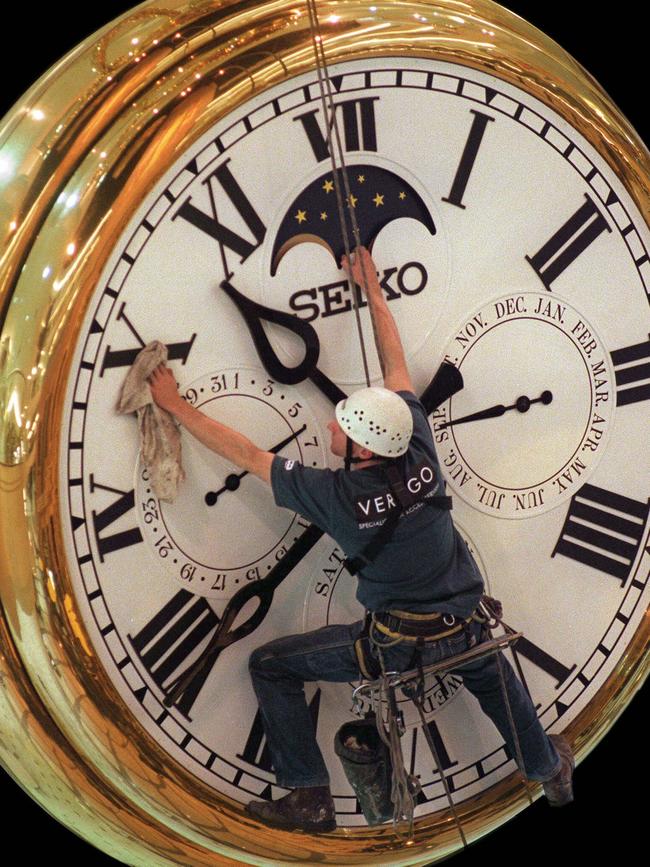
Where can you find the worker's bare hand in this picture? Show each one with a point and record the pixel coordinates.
(361, 269)
(164, 389)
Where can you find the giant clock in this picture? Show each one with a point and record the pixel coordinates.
(181, 160)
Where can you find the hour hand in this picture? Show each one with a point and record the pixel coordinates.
(445, 383)
(253, 314)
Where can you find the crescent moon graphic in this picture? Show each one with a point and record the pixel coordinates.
(377, 195)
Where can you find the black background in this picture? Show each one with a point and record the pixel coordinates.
(607, 813)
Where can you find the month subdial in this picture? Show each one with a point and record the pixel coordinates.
(532, 421)
(197, 538)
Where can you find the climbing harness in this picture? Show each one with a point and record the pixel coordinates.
(380, 690)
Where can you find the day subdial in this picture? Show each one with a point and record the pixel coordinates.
(197, 538)
(451, 712)
(331, 599)
(535, 430)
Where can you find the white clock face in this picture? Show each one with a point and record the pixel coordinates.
(517, 255)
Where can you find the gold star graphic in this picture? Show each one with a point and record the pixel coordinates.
(402, 195)
(328, 186)
(378, 200)
(353, 200)
(301, 216)
(323, 215)
(361, 179)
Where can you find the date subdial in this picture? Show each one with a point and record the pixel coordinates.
(197, 538)
(330, 599)
(532, 421)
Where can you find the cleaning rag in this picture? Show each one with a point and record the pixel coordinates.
(160, 440)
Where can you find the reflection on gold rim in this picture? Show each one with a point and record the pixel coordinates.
(109, 123)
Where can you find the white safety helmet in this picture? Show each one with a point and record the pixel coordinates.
(377, 419)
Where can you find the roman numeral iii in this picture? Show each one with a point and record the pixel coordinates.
(632, 371)
(603, 530)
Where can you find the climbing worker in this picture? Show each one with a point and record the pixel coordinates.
(416, 577)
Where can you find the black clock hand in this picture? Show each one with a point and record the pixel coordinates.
(253, 314)
(234, 479)
(445, 383)
(224, 635)
(522, 404)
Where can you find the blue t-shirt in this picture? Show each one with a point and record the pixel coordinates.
(425, 566)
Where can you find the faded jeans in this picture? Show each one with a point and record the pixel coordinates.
(280, 668)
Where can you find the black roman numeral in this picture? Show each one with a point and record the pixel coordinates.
(256, 751)
(359, 127)
(468, 158)
(542, 659)
(570, 240)
(170, 637)
(209, 222)
(603, 530)
(419, 742)
(126, 357)
(632, 370)
(109, 542)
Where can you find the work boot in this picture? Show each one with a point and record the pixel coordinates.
(559, 789)
(304, 809)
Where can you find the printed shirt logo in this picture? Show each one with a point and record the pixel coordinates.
(371, 510)
(289, 465)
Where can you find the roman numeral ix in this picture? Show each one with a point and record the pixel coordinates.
(107, 538)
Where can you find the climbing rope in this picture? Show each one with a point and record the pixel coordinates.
(404, 785)
(338, 171)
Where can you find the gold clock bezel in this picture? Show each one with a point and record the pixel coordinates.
(142, 90)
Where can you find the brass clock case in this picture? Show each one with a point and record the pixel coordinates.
(85, 145)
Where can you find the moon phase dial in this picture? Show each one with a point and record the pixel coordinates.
(197, 538)
(413, 261)
(534, 431)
